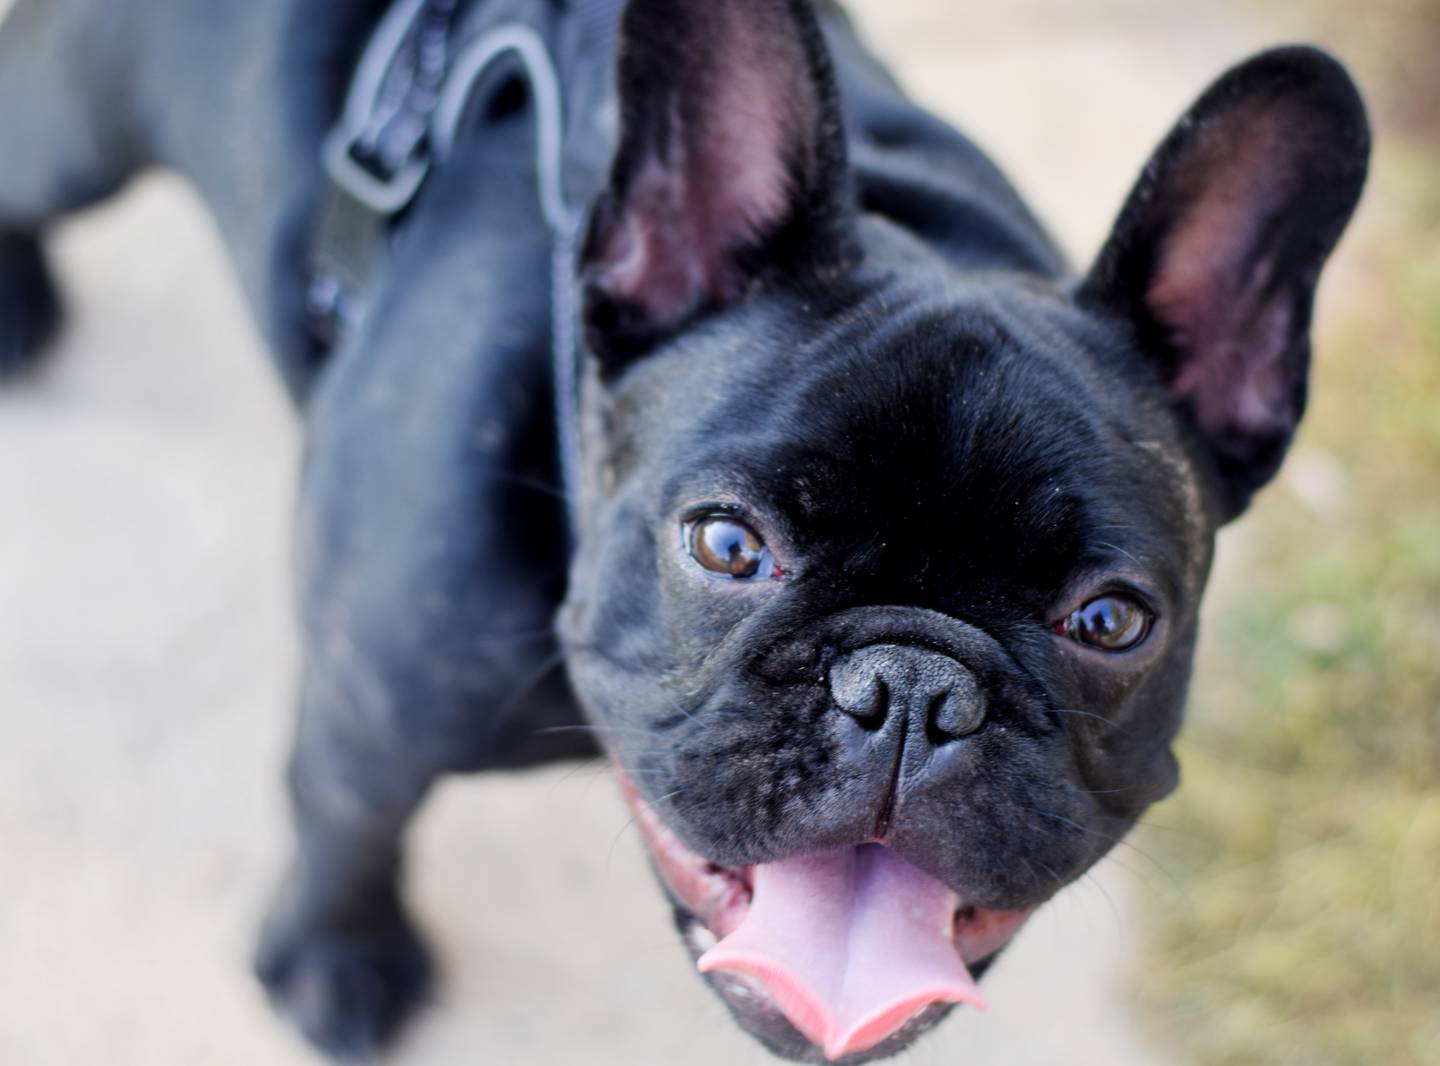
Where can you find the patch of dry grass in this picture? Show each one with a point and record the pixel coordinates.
(1306, 837)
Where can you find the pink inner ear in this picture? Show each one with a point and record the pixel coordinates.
(1212, 284)
(737, 129)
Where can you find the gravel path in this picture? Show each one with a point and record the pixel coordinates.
(147, 657)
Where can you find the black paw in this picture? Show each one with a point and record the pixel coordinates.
(29, 304)
(347, 989)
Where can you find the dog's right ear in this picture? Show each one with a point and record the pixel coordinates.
(1216, 254)
(730, 166)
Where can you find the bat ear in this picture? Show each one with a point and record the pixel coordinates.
(1217, 252)
(730, 163)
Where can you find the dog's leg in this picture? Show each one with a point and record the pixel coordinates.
(65, 143)
(431, 561)
(338, 954)
(29, 305)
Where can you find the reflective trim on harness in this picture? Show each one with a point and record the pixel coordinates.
(401, 117)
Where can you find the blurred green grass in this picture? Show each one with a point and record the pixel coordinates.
(1304, 922)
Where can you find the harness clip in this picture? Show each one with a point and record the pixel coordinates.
(382, 195)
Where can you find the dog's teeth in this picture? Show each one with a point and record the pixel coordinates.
(701, 939)
(740, 992)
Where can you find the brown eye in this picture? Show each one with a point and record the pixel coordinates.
(724, 545)
(1109, 623)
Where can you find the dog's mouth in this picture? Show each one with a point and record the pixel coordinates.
(853, 949)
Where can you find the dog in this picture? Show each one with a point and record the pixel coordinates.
(879, 569)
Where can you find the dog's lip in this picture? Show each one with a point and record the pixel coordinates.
(712, 901)
(715, 895)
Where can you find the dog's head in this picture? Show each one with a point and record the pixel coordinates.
(886, 594)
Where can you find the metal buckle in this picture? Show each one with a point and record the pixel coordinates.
(384, 196)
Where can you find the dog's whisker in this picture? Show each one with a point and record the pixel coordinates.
(525, 481)
(1190, 833)
(610, 855)
(1120, 551)
(618, 771)
(675, 706)
(1067, 821)
(1145, 881)
(1034, 877)
(518, 634)
(1077, 713)
(1054, 876)
(1090, 831)
(1160, 866)
(1089, 878)
(524, 689)
(1123, 841)
(597, 730)
(576, 770)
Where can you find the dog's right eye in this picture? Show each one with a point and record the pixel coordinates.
(725, 545)
(1109, 623)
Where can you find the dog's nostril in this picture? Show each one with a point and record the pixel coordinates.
(928, 689)
(874, 715)
(865, 683)
(956, 711)
(861, 694)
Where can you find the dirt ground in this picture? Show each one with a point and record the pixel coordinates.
(147, 655)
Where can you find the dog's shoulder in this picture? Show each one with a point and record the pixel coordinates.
(916, 170)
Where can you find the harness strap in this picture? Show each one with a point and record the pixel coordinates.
(401, 116)
(563, 222)
(376, 157)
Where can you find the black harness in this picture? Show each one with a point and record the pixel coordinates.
(401, 117)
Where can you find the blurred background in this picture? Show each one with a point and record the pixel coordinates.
(1283, 908)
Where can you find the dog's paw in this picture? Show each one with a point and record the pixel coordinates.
(29, 304)
(347, 990)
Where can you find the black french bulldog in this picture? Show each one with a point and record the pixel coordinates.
(891, 531)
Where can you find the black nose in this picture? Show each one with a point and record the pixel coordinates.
(879, 680)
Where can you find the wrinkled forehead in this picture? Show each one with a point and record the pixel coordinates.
(948, 439)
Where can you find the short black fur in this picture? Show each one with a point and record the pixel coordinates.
(810, 305)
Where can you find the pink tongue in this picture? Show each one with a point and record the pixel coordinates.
(850, 944)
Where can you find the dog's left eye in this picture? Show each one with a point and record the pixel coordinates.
(725, 545)
(1108, 623)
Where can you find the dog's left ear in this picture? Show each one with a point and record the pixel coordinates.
(1216, 254)
(730, 164)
